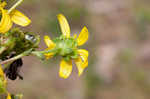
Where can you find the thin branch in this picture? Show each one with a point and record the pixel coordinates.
(15, 5)
(16, 57)
(28, 52)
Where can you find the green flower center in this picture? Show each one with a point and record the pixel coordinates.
(66, 47)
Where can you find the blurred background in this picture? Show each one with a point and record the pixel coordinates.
(119, 46)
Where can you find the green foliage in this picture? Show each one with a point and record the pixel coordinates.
(17, 42)
(2, 86)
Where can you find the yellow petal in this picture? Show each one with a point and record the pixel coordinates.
(65, 68)
(50, 45)
(8, 96)
(81, 65)
(1, 71)
(3, 4)
(83, 36)
(49, 55)
(49, 42)
(19, 18)
(82, 60)
(64, 25)
(5, 23)
(83, 54)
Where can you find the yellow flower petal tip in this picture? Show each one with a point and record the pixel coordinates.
(65, 69)
(64, 25)
(82, 61)
(83, 36)
(3, 4)
(49, 42)
(48, 55)
(8, 96)
(5, 23)
(1, 71)
(80, 72)
(83, 54)
(19, 18)
(81, 65)
(82, 68)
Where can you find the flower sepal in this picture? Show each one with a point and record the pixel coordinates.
(65, 46)
(39, 54)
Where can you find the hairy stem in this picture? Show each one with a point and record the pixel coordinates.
(15, 5)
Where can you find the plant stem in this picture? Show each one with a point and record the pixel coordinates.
(2, 49)
(41, 54)
(44, 52)
(15, 5)
(16, 57)
(28, 52)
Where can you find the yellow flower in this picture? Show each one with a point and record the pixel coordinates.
(1, 72)
(8, 96)
(67, 47)
(7, 19)
(2, 75)
(3, 81)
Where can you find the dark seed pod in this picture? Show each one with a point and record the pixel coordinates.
(12, 72)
